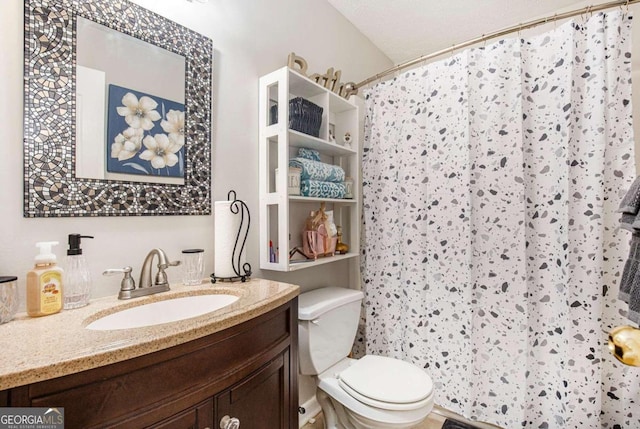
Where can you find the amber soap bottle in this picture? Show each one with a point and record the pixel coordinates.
(44, 283)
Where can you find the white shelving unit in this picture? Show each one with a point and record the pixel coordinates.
(282, 216)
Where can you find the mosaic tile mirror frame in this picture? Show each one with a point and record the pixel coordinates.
(51, 187)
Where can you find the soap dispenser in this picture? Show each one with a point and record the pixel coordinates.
(77, 285)
(44, 283)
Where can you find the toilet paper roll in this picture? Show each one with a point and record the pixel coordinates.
(226, 229)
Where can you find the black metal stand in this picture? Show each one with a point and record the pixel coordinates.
(236, 207)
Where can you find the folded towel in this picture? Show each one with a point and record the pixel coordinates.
(311, 154)
(320, 189)
(631, 201)
(314, 170)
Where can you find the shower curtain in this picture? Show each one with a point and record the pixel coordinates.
(491, 247)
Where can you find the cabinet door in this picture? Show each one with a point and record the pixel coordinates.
(198, 417)
(261, 400)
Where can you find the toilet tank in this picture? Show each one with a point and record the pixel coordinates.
(327, 325)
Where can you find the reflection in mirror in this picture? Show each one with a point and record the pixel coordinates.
(93, 123)
(110, 66)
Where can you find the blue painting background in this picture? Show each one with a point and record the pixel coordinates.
(116, 124)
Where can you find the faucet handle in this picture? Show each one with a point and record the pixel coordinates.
(127, 283)
(161, 276)
(169, 264)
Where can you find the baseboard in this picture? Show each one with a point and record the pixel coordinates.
(311, 408)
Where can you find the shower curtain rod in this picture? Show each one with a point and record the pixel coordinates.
(502, 32)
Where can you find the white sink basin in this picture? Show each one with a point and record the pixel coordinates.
(155, 313)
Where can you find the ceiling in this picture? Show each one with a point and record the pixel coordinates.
(407, 29)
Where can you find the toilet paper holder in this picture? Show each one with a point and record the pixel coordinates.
(242, 270)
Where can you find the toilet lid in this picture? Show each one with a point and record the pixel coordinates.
(387, 383)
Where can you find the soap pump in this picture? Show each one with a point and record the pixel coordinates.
(78, 277)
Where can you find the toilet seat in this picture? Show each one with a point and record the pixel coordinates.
(387, 383)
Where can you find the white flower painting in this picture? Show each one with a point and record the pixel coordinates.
(139, 114)
(127, 144)
(174, 126)
(160, 151)
(146, 134)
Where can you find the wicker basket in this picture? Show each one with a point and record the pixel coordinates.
(304, 116)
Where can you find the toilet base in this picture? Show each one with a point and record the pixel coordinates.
(337, 416)
(342, 411)
(331, 419)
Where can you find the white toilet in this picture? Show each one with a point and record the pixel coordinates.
(371, 392)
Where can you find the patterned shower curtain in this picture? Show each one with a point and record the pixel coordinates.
(491, 247)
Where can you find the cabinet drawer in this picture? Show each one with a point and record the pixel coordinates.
(198, 417)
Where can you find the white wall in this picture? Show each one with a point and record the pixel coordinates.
(251, 38)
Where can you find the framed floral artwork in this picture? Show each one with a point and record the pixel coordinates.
(145, 134)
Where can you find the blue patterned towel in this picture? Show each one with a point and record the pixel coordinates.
(314, 170)
(320, 189)
(311, 154)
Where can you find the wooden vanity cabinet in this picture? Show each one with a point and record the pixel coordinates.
(248, 372)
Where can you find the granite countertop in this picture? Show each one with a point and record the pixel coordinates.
(37, 349)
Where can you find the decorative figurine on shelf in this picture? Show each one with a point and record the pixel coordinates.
(332, 137)
(341, 248)
(347, 139)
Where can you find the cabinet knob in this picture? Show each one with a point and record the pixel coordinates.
(229, 423)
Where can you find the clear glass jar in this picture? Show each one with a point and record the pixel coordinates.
(8, 298)
(348, 184)
(192, 266)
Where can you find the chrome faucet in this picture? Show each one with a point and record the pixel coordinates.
(145, 287)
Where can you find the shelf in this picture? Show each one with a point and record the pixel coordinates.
(320, 261)
(300, 199)
(282, 217)
(339, 104)
(298, 139)
(304, 87)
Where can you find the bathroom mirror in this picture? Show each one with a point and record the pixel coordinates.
(146, 137)
(110, 66)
